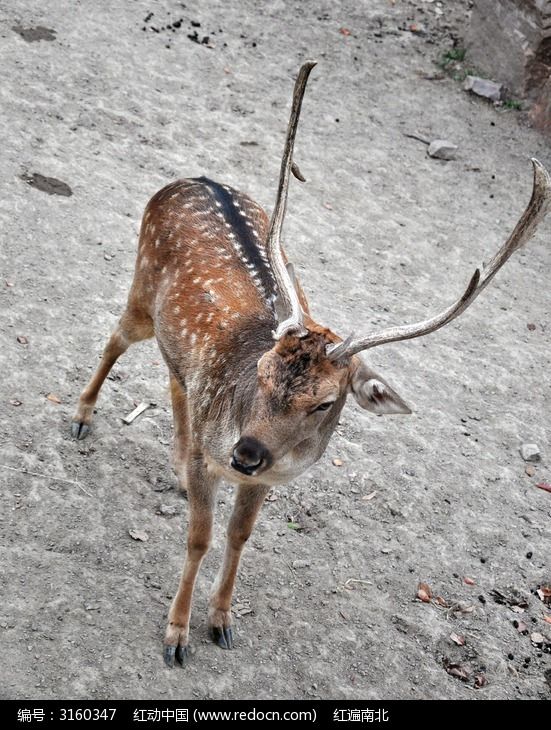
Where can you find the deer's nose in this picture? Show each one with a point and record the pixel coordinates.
(249, 455)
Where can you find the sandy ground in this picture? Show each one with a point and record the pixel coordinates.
(380, 234)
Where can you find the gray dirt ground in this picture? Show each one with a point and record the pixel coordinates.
(380, 234)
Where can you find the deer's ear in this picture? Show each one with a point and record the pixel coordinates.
(372, 392)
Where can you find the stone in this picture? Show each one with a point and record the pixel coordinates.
(442, 149)
(169, 509)
(484, 87)
(530, 452)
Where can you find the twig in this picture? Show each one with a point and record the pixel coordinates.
(137, 411)
(357, 580)
(418, 137)
(46, 476)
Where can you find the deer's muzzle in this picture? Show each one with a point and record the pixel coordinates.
(250, 456)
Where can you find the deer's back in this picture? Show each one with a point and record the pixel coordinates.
(202, 272)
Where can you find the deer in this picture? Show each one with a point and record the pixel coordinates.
(257, 385)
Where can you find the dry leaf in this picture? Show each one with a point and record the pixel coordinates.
(52, 397)
(368, 497)
(547, 619)
(441, 602)
(424, 592)
(544, 592)
(468, 581)
(337, 462)
(457, 639)
(480, 680)
(545, 486)
(140, 535)
(530, 470)
(345, 31)
(457, 670)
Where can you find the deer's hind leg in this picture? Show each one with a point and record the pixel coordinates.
(182, 432)
(134, 325)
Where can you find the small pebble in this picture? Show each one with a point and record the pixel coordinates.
(442, 149)
(530, 452)
(483, 87)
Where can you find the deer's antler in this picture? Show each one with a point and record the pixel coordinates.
(288, 302)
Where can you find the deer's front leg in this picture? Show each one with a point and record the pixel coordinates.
(248, 501)
(201, 488)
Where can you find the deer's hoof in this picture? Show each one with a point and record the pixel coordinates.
(221, 636)
(179, 654)
(79, 430)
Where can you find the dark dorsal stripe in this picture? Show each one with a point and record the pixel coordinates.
(243, 233)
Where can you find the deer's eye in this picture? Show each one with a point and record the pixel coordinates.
(324, 406)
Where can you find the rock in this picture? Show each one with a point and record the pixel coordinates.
(530, 452)
(442, 149)
(484, 87)
(169, 509)
(301, 564)
(139, 535)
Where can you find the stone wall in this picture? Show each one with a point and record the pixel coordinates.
(510, 42)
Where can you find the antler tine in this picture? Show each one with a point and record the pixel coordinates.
(536, 210)
(289, 301)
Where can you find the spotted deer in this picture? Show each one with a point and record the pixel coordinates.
(257, 384)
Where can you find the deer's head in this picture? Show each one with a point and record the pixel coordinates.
(303, 381)
(299, 396)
